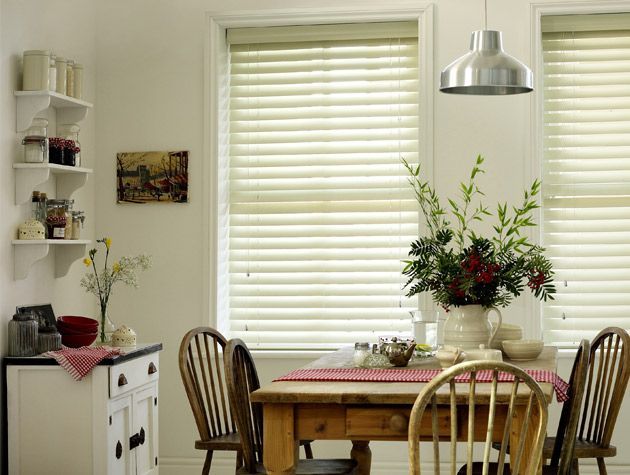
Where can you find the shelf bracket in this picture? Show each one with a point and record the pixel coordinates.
(26, 256)
(71, 115)
(26, 180)
(28, 108)
(69, 183)
(63, 260)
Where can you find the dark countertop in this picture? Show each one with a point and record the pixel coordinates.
(129, 353)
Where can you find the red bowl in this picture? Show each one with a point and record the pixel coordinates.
(64, 330)
(77, 341)
(78, 322)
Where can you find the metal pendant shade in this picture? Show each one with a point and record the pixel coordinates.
(486, 69)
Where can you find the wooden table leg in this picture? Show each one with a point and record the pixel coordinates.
(516, 436)
(280, 447)
(363, 455)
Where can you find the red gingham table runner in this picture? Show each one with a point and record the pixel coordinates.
(417, 376)
(80, 361)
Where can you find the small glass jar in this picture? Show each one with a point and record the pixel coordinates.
(70, 78)
(55, 150)
(56, 219)
(361, 351)
(23, 335)
(78, 218)
(70, 151)
(78, 81)
(39, 127)
(68, 213)
(52, 73)
(35, 149)
(71, 132)
(48, 339)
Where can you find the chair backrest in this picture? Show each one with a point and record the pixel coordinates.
(536, 405)
(201, 368)
(564, 445)
(242, 379)
(609, 369)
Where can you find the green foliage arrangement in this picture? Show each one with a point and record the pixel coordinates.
(457, 266)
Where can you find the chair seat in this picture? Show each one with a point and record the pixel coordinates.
(493, 467)
(583, 449)
(223, 442)
(312, 467)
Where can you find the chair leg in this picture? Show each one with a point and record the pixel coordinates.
(602, 466)
(308, 450)
(207, 463)
(575, 467)
(239, 459)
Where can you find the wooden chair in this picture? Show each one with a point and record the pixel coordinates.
(242, 379)
(428, 398)
(608, 373)
(201, 368)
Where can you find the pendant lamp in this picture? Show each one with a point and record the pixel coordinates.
(486, 69)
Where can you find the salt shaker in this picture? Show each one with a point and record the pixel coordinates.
(361, 351)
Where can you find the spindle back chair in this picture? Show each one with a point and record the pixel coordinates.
(535, 420)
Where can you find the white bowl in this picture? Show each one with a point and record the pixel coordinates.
(523, 350)
(507, 331)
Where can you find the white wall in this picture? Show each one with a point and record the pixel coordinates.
(66, 27)
(148, 56)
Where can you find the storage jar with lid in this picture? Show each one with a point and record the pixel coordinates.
(61, 65)
(23, 335)
(48, 339)
(55, 150)
(56, 219)
(70, 78)
(78, 218)
(78, 81)
(68, 212)
(35, 70)
(38, 128)
(35, 149)
(71, 132)
(52, 73)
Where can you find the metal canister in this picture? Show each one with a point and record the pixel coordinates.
(48, 339)
(23, 335)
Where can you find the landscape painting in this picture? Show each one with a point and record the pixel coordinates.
(152, 177)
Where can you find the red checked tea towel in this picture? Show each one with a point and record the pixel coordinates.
(80, 361)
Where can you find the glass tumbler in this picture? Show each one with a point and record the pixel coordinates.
(425, 328)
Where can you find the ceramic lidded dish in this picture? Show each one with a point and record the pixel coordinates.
(124, 336)
(523, 350)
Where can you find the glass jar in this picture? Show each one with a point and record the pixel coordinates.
(70, 150)
(35, 149)
(55, 150)
(71, 132)
(48, 339)
(78, 81)
(52, 73)
(61, 65)
(35, 70)
(39, 127)
(56, 219)
(69, 78)
(78, 218)
(68, 213)
(23, 335)
(361, 351)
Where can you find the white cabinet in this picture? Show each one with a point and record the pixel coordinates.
(105, 424)
(29, 175)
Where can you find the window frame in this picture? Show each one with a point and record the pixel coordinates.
(214, 123)
(535, 325)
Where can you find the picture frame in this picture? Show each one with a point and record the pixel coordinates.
(43, 312)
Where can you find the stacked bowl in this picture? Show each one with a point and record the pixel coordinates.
(77, 331)
(506, 331)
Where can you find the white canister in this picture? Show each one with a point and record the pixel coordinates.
(35, 70)
(52, 74)
(61, 65)
(78, 81)
(69, 78)
(35, 148)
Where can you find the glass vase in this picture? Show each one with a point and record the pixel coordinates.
(106, 328)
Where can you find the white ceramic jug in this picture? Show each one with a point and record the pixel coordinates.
(467, 327)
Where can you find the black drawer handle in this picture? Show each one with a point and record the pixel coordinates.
(134, 441)
(152, 368)
(141, 435)
(118, 450)
(122, 380)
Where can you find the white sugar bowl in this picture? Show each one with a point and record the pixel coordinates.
(484, 353)
(124, 336)
(31, 230)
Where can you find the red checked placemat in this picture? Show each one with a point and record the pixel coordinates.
(374, 375)
(80, 361)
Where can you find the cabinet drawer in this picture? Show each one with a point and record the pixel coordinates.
(387, 421)
(132, 374)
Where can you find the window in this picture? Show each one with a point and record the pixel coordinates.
(320, 212)
(587, 173)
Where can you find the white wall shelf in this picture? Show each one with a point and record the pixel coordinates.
(29, 175)
(31, 103)
(27, 252)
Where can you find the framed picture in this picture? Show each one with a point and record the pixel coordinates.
(44, 314)
(152, 177)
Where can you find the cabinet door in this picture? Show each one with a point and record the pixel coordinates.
(119, 459)
(145, 422)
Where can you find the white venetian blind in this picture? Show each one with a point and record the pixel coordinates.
(587, 173)
(320, 212)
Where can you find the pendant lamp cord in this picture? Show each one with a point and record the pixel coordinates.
(485, 14)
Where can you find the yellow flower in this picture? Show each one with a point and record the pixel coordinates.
(87, 261)
(116, 267)
(108, 242)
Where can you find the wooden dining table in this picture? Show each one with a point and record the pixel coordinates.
(366, 411)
